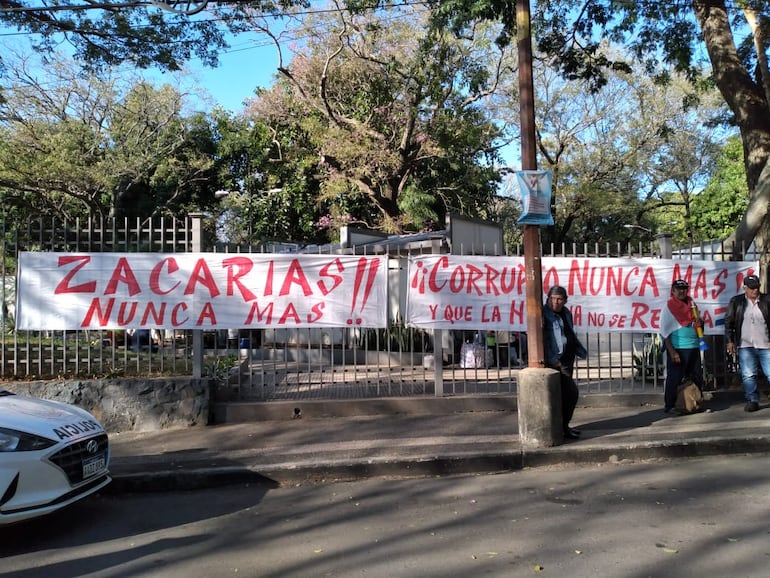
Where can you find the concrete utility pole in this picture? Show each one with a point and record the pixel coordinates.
(539, 388)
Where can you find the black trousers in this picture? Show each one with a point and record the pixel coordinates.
(569, 395)
(689, 366)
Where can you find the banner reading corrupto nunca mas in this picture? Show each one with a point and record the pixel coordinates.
(605, 295)
(199, 291)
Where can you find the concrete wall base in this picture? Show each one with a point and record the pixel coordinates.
(539, 407)
(130, 404)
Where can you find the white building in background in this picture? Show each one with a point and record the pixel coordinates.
(707, 250)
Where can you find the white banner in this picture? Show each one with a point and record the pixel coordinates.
(199, 291)
(605, 295)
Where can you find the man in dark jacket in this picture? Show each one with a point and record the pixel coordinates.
(561, 348)
(746, 330)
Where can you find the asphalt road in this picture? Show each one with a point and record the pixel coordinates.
(698, 517)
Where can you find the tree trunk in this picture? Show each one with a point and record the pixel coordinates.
(747, 101)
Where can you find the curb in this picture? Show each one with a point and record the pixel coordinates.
(244, 412)
(663, 450)
(431, 466)
(184, 480)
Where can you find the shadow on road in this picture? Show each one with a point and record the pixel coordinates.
(106, 516)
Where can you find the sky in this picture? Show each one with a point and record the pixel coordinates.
(246, 65)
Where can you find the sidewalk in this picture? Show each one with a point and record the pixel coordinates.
(418, 442)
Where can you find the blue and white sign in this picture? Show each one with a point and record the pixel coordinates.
(535, 187)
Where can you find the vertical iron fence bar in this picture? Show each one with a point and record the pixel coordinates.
(139, 236)
(79, 335)
(151, 232)
(94, 235)
(123, 230)
(309, 354)
(333, 354)
(322, 362)
(161, 354)
(7, 251)
(43, 244)
(4, 350)
(378, 333)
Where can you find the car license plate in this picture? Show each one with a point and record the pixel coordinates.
(94, 465)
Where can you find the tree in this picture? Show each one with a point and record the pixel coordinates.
(663, 36)
(162, 162)
(393, 114)
(722, 203)
(688, 145)
(268, 181)
(78, 145)
(101, 37)
(597, 161)
(619, 154)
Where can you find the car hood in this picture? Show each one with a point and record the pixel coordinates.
(50, 419)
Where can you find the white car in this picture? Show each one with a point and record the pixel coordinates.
(51, 455)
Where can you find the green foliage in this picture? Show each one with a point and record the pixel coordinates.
(114, 372)
(713, 213)
(648, 362)
(379, 119)
(83, 146)
(612, 154)
(85, 355)
(145, 36)
(417, 208)
(396, 337)
(272, 189)
(390, 110)
(218, 369)
(664, 40)
(718, 209)
(167, 173)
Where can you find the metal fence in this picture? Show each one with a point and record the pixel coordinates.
(343, 363)
(87, 354)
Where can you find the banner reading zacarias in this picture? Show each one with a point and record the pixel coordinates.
(605, 295)
(199, 291)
